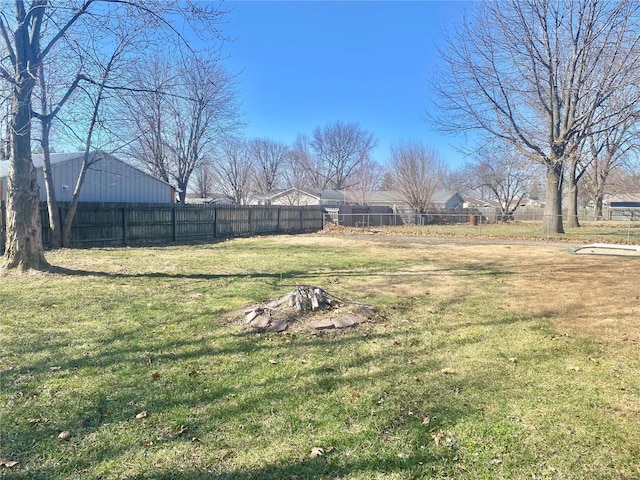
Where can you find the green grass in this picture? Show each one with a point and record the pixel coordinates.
(588, 232)
(439, 386)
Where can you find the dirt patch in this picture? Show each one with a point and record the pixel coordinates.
(594, 296)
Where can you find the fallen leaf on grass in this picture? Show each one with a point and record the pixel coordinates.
(449, 371)
(316, 452)
(66, 435)
(426, 420)
(147, 442)
(35, 421)
(437, 437)
(142, 415)
(8, 463)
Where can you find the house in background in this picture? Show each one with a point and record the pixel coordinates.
(302, 197)
(108, 180)
(336, 198)
(626, 200)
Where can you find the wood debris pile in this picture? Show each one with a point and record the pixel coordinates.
(304, 300)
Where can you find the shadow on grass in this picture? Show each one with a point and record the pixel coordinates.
(405, 445)
(190, 391)
(465, 270)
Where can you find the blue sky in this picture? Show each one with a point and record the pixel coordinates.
(307, 63)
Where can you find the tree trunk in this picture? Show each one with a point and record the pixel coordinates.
(24, 232)
(73, 207)
(52, 202)
(552, 221)
(572, 194)
(23, 249)
(597, 215)
(572, 207)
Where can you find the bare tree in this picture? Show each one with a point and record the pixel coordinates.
(84, 117)
(204, 178)
(28, 37)
(418, 172)
(234, 170)
(302, 169)
(5, 111)
(269, 160)
(504, 172)
(606, 152)
(387, 180)
(333, 153)
(181, 116)
(366, 179)
(538, 74)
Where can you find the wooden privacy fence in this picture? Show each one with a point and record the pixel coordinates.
(116, 224)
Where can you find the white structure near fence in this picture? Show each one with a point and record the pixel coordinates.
(108, 179)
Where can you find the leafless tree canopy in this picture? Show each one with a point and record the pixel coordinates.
(539, 74)
(270, 160)
(234, 168)
(30, 33)
(503, 171)
(365, 179)
(332, 154)
(184, 110)
(418, 172)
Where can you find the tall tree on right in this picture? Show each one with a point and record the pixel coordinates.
(538, 75)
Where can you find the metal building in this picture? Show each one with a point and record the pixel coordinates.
(107, 180)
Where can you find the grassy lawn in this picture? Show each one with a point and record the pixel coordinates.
(589, 231)
(483, 362)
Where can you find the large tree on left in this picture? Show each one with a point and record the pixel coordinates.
(22, 48)
(28, 37)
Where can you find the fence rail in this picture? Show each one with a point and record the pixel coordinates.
(466, 215)
(115, 224)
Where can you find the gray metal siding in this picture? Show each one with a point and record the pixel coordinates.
(107, 180)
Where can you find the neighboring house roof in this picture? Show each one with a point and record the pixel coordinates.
(444, 196)
(379, 197)
(215, 198)
(57, 158)
(478, 202)
(623, 200)
(286, 191)
(325, 195)
(386, 197)
(108, 179)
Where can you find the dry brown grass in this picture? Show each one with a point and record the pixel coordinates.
(590, 295)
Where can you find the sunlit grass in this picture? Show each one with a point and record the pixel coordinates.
(136, 354)
(588, 232)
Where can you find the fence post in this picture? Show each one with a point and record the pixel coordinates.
(301, 220)
(125, 227)
(174, 215)
(279, 225)
(214, 223)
